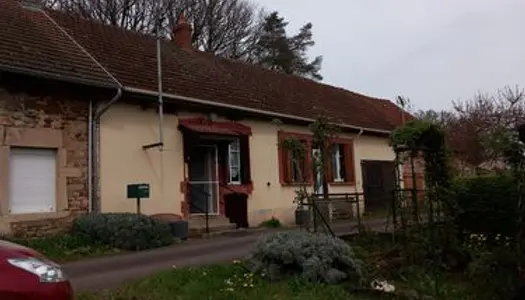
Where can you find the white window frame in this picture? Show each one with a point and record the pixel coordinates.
(336, 157)
(231, 153)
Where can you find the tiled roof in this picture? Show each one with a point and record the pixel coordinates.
(30, 41)
(131, 58)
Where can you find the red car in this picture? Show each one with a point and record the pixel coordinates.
(27, 275)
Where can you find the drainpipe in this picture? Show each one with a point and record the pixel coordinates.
(95, 150)
(90, 156)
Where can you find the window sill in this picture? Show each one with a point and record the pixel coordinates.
(295, 184)
(245, 188)
(341, 183)
(35, 216)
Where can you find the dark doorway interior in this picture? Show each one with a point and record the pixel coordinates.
(236, 209)
(379, 182)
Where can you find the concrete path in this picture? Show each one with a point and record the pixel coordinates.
(110, 272)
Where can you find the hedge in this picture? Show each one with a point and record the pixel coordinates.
(487, 204)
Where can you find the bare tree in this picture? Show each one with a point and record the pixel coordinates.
(223, 27)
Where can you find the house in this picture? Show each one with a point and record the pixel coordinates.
(80, 121)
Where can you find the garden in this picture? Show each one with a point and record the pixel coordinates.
(462, 240)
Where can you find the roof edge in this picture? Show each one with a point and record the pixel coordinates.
(245, 109)
(58, 77)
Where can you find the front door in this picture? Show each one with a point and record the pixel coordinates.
(316, 156)
(379, 181)
(203, 178)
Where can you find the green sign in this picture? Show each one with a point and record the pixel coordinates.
(138, 191)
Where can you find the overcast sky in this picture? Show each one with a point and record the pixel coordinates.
(431, 51)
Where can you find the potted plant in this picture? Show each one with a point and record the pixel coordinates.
(302, 212)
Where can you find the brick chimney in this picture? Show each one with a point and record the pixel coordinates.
(182, 33)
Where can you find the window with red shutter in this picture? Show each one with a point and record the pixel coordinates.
(294, 169)
(340, 162)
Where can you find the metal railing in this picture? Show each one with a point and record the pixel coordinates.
(204, 210)
(336, 207)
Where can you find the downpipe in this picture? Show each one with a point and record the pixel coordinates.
(94, 150)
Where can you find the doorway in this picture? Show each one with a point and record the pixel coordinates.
(379, 182)
(203, 178)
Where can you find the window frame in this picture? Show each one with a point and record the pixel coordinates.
(346, 147)
(238, 162)
(337, 154)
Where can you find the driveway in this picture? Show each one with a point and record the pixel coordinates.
(110, 272)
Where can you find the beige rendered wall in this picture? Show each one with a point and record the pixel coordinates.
(125, 128)
(269, 198)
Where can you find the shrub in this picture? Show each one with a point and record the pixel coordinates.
(271, 223)
(125, 231)
(313, 257)
(487, 205)
(494, 274)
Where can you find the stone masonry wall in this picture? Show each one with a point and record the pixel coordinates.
(47, 108)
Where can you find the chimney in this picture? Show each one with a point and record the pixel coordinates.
(182, 33)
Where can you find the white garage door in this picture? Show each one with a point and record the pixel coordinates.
(32, 180)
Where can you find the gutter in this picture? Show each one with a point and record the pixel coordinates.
(244, 109)
(54, 76)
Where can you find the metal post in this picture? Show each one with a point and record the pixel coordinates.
(138, 206)
(161, 101)
(206, 213)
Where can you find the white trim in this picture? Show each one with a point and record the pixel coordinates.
(238, 152)
(317, 175)
(212, 184)
(336, 157)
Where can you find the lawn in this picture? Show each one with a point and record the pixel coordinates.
(225, 282)
(65, 247)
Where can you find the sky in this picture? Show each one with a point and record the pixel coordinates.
(431, 51)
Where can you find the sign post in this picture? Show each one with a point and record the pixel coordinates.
(138, 191)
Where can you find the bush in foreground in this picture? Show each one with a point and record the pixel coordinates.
(126, 231)
(313, 257)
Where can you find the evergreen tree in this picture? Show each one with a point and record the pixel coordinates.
(276, 51)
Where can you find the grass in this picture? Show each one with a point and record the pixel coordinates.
(225, 282)
(65, 248)
(232, 282)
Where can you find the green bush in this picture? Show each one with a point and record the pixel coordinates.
(126, 231)
(312, 257)
(271, 223)
(487, 205)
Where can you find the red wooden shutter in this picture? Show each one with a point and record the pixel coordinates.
(348, 150)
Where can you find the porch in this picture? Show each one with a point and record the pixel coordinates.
(217, 178)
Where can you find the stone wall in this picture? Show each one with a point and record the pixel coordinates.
(37, 116)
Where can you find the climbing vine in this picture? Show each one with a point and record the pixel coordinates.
(322, 132)
(423, 139)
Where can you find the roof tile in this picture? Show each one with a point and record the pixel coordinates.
(131, 58)
(30, 40)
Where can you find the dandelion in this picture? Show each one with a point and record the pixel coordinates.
(236, 262)
(229, 289)
(204, 273)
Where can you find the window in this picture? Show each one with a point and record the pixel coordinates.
(32, 180)
(294, 169)
(234, 165)
(297, 166)
(338, 163)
